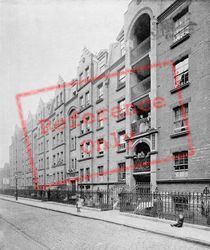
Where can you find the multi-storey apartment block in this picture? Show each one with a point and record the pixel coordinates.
(183, 123)
(5, 176)
(123, 113)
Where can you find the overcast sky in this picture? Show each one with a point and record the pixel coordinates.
(40, 39)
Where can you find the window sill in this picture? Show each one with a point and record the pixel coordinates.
(60, 164)
(181, 40)
(99, 100)
(121, 86)
(99, 128)
(72, 150)
(61, 144)
(121, 150)
(120, 119)
(85, 108)
(59, 125)
(179, 88)
(178, 134)
(72, 128)
(89, 132)
(84, 159)
(181, 177)
(99, 156)
(72, 97)
(60, 104)
(82, 83)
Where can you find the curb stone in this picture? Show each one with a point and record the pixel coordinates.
(165, 221)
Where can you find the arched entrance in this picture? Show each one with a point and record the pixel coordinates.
(141, 171)
(141, 29)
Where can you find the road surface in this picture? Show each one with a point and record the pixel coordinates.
(28, 228)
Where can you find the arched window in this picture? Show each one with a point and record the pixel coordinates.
(73, 119)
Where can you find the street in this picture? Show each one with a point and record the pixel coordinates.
(24, 227)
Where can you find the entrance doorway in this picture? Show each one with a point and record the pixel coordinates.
(141, 172)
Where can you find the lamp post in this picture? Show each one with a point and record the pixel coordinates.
(16, 187)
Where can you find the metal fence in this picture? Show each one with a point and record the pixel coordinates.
(96, 199)
(194, 206)
(168, 205)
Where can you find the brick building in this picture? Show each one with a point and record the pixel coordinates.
(188, 48)
(5, 176)
(123, 115)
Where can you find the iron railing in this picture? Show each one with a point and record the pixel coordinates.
(97, 199)
(141, 201)
(194, 206)
(141, 126)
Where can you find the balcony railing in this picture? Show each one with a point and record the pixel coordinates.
(140, 88)
(140, 50)
(141, 126)
(141, 165)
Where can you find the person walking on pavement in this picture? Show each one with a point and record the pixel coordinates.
(79, 204)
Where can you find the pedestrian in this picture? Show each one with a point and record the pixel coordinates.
(79, 204)
(179, 222)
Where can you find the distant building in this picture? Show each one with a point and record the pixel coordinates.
(5, 176)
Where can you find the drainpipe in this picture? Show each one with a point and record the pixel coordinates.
(64, 132)
(44, 170)
(91, 98)
(107, 106)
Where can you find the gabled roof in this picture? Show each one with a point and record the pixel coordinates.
(85, 53)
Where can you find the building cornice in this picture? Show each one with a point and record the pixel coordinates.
(171, 9)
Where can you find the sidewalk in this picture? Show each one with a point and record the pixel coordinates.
(190, 233)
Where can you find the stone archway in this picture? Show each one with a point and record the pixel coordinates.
(141, 163)
(143, 11)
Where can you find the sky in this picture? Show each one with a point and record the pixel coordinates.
(41, 39)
